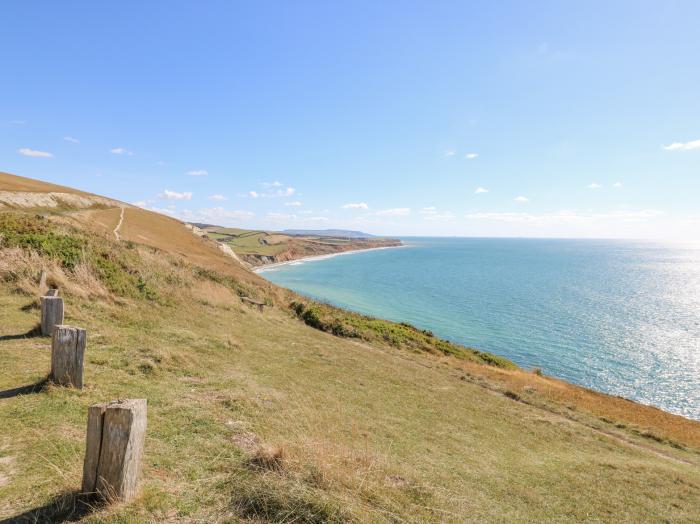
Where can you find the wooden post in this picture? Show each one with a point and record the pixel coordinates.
(115, 436)
(52, 292)
(42, 282)
(67, 356)
(51, 314)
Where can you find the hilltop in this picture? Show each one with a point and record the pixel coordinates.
(258, 248)
(302, 412)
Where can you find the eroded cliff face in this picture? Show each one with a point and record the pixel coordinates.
(302, 248)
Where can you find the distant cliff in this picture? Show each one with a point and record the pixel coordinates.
(259, 248)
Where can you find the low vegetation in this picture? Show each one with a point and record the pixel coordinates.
(372, 330)
(258, 417)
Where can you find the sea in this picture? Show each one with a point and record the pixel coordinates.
(622, 317)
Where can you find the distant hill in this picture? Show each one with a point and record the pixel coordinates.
(345, 233)
(265, 247)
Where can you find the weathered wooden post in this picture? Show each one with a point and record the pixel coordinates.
(42, 282)
(67, 356)
(52, 292)
(51, 314)
(115, 436)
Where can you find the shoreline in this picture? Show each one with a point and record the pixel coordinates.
(276, 265)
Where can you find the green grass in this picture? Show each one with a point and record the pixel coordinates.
(367, 428)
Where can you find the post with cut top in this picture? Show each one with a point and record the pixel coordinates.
(51, 314)
(68, 355)
(116, 433)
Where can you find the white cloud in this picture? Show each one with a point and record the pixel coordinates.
(594, 185)
(273, 193)
(394, 212)
(521, 199)
(450, 152)
(471, 156)
(25, 151)
(683, 146)
(197, 172)
(71, 139)
(294, 203)
(121, 151)
(220, 214)
(480, 190)
(174, 195)
(617, 184)
(140, 203)
(280, 216)
(567, 217)
(218, 197)
(356, 205)
(432, 213)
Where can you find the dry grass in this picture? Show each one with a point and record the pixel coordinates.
(259, 418)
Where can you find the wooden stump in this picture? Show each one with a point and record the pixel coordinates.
(67, 356)
(52, 292)
(115, 436)
(51, 314)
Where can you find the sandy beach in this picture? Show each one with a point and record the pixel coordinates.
(270, 267)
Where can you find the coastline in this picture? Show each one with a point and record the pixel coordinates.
(276, 265)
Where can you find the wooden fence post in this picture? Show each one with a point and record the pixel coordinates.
(51, 314)
(67, 356)
(115, 436)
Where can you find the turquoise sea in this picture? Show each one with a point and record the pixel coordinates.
(617, 316)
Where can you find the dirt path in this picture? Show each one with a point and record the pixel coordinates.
(116, 229)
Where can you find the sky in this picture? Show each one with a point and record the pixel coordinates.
(537, 119)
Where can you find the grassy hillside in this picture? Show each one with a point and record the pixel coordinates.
(264, 247)
(301, 413)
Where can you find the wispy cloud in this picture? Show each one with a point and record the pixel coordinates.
(25, 151)
(594, 185)
(617, 184)
(394, 212)
(471, 156)
(218, 197)
(521, 199)
(480, 190)
(294, 203)
(121, 151)
(432, 213)
(273, 190)
(71, 139)
(567, 217)
(355, 205)
(218, 215)
(450, 152)
(175, 195)
(682, 146)
(197, 172)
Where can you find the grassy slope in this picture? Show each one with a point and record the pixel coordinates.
(365, 431)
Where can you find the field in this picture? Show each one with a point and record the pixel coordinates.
(302, 412)
(264, 247)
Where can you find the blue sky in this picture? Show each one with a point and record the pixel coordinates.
(577, 119)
